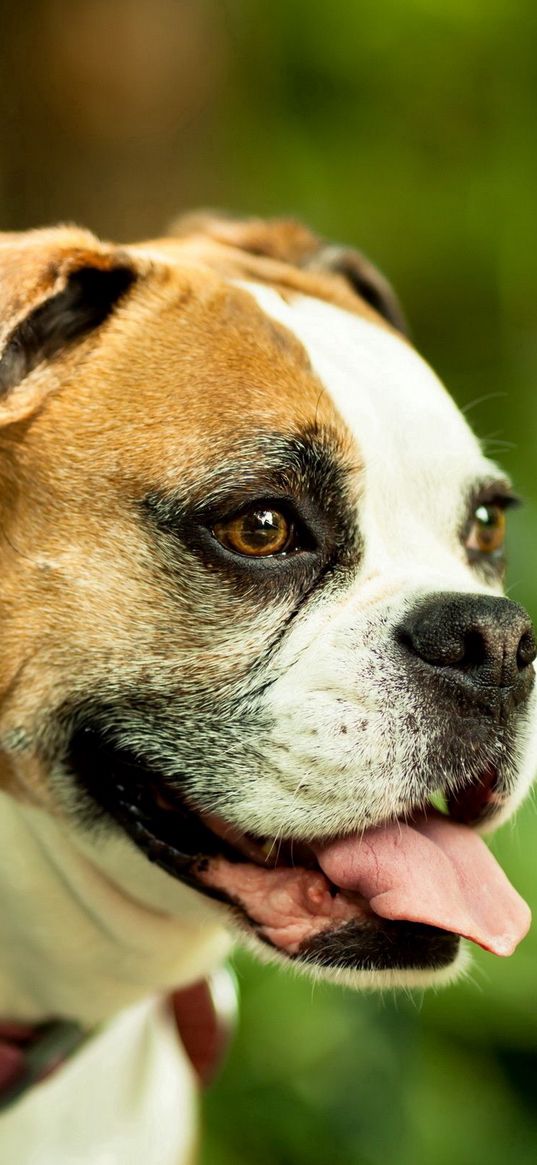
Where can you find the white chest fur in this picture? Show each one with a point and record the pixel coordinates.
(127, 1096)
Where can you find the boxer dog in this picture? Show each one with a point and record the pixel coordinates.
(258, 677)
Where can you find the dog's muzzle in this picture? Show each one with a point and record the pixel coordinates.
(394, 896)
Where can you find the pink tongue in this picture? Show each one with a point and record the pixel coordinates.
(432, 871)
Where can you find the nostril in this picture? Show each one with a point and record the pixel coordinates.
(405, 639)
(526, 651)
(474, 653)
(464, 651)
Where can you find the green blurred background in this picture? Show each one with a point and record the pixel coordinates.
(406, 127)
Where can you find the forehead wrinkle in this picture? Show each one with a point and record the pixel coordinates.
(205, 366)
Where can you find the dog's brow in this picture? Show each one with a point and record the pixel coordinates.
(313, 467)
(492, 489)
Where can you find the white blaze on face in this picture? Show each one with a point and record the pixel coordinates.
(418, 453)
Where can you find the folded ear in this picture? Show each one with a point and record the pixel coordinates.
(364, 278)
(289, 241)
(56, 286)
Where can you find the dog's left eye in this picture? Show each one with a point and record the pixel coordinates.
(487, 532)
(258, 532)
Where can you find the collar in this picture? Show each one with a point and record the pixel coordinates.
(204, 1015)
(28, 1054)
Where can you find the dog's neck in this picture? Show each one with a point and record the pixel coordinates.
(86, 928)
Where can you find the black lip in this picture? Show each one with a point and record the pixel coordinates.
(382, 945)
(124, 787)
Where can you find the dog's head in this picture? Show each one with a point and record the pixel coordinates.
(252, 611)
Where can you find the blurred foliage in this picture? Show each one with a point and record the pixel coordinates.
(409, 130)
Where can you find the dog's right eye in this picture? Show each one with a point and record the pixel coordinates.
(487, 534)
(259, 532)
(484, 535)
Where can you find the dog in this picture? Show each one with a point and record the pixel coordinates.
(259, 679)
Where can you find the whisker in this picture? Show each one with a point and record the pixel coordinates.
(479, 400)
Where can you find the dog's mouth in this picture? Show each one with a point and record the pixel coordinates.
(396, 897)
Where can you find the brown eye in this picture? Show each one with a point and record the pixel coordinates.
(488, 530)
(257, 533)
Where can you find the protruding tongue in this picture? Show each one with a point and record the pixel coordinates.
(433, 871)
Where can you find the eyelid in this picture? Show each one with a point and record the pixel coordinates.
(503, 501)
(495, 493)
(283, 505)
(226, 508)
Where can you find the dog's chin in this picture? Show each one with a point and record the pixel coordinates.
(276, 894)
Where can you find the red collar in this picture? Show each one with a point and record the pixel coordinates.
(204, 1014)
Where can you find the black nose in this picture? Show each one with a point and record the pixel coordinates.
(488, 642)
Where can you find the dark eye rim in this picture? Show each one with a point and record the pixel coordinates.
(304, 541)
(330, 536)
